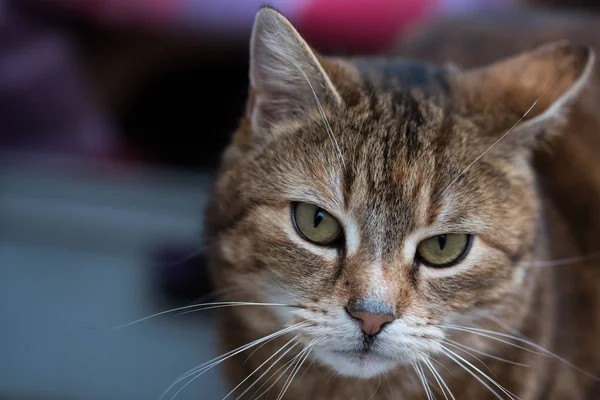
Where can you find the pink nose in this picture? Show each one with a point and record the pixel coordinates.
(371, 324)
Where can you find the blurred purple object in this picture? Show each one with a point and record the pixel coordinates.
(44, 102)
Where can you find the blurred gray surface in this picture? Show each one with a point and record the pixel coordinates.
(74, 241)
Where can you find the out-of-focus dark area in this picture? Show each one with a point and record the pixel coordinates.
(113, 116)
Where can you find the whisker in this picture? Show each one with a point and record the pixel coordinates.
(267, 371)
(301, 360)
(504, 390)
(465, 347)
(488, 387)
(287, 366)
(541, 350)
(201, 369)
(561, 261)
(309, 365)
(255, 350)
(469, 353)
(234, 305)
(464, 329)
(322, 112)
(435, 372)
(292, 364)
(502, 324)
(203, 306)
(295, 371)
(260, 366)
(512, 128)
(437, 377)
(547, 352)
(423, 380)
(415, 385)
(430, 358)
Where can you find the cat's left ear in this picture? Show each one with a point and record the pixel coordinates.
(286, 76)
(535, 87)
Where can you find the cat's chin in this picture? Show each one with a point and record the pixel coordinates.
(356, 364)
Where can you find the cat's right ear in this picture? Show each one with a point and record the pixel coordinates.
(286, 78)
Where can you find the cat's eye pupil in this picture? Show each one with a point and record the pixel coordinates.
(442, 241)
(318, 217)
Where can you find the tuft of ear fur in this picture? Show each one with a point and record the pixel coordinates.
(286, 77)
(535, 87)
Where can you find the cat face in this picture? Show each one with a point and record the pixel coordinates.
(373, 198)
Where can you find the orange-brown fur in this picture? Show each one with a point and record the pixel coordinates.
(405, 132)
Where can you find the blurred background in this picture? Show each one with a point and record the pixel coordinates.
(113, 115)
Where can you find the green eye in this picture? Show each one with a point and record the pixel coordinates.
(444, 250)
(315, 224)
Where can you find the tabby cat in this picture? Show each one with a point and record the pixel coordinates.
(391, 229)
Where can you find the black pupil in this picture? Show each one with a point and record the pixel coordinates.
(319, 215)
(442, 241)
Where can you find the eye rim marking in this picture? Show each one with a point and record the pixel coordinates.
(332, 244)
(452, 263)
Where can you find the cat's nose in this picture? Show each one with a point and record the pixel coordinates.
(372, 315)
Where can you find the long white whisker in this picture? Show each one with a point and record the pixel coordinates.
(488, 387)
(503, 325)
(230, 305)
(468, 330)
(289, 364)
(541, 350)
(439, 379)
(266, 372)
(492, 381)
(434, 360)
(547, 352)
(260, 366)
(201, 369)
(297, 368)
(257, 349)
(208, 307)
(423, 380)
(467, 348)
(308, 366)
(415, 385)
(435, 376)
(296, 363)
(426, 380)
(447, 342)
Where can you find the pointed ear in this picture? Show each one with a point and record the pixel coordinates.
(536, 86)
(286, 77)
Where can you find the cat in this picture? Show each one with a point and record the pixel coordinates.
(385, 228)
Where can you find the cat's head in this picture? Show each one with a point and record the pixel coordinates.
(382, 197)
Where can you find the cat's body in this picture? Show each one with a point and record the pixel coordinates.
(401, 132)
